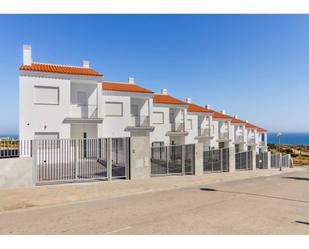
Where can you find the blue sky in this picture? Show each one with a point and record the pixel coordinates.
(255, 66)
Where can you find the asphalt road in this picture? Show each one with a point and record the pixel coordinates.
(265, 205)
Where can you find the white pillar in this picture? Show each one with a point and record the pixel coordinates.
(199, 155)
(232, 159)
(184, 112)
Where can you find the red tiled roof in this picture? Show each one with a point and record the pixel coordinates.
(248, 125)
(124, 87)
(261, 129)
(220, 115)
(237, 121)
(197, 108)
(56, 68)
(166, 99)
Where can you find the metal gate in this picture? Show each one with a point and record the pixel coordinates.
(244, 160)
(69, 160)
(275, 160)
(216, 160)
(285, 160)
(172, 160)
(262, 160)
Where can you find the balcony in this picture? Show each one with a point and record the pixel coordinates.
(177, 129)
(205, 132)
(251, 140)
(83, 114)
(263, 143)
(224, 135)
(139, 123)
(239, 139)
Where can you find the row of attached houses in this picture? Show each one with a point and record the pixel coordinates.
(61, 101)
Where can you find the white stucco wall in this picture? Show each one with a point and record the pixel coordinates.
(159, 133)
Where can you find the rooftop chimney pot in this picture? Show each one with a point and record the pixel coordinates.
(189, 100)
(207, 106)
(131, 80)
(223, 111)
(86, 64)
(164, 91)
(27, 56)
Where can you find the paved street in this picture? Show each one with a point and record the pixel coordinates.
(276, 204)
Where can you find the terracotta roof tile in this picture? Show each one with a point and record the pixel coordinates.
(252, 126)
(56, 68)
(166, 99)
(220, 115)
(124, 87)
(237, 121)
(196, 108)
(261, 129)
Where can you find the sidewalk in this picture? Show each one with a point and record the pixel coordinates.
(41, 196)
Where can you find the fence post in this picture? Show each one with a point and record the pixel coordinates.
(34, 162)
(231, 159)
(183, 159)
(268, 160)
(167, 158)
(109, 158)
(199, 159)
(253, 159)
(75, 159)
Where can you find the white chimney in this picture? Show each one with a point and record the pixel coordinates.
(189, 100)
(27, 57)
(223, 111)
(247, 121)
(235, 116)
(86, 64)
(207, 106)
(164, 91)
(131, 80)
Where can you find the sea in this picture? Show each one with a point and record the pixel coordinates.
(286, 138)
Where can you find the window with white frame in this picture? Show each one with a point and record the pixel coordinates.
(158, 118)
(114, 109)
(189, 124)
(46, 95)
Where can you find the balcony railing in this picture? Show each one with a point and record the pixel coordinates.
(84, 111)
(251, 140)
(263, 143)
(177, 127)
(204, 132)
(140, 121)
(224, 135)
(239, 138)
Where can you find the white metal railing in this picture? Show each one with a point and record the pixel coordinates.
(251, 140)
(239, 138)
(177, 127)
(204, 132)
(224, 135)
(139, 121)
(11, 147)
(84, 111)
(262, 143)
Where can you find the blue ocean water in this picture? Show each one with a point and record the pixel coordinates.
(289, 138)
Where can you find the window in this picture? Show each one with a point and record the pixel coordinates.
(114, 109)
(189, 124)
(158, 118)
(46, 95)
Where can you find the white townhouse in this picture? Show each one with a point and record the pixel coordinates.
(203, 127)
(127, 107)
(62, 101)
(168, 117)
(239, 134)
(58, 101)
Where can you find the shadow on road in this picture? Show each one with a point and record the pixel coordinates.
(296, 178)
(302, 222)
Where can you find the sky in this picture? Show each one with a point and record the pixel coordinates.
(254, 66)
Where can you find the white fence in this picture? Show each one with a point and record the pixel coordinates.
(244, 160)
(216, 160)
(15, 148)
(70, 160)
(173, 160)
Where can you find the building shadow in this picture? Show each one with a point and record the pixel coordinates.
(296, 178)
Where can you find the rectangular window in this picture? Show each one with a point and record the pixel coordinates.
(158, 118)
(114, 109)
(46, 95)
(189, 124)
